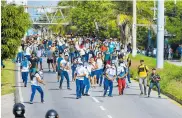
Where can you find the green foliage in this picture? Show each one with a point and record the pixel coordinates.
(15, 22)
(174, 20)
(171, 82)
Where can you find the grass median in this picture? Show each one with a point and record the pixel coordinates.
(8, 77)
(171, 76)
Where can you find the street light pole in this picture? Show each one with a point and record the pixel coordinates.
(160, 34)
(134, 50)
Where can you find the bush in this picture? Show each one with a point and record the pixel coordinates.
(171, 76)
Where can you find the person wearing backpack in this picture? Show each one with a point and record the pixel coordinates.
(154, 81)
(143, 73)
(36, 79)
(122, 74)
(25, 64)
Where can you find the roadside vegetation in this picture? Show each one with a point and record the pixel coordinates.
(171, 76)
(8, 78)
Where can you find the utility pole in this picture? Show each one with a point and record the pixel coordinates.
(160, 34)
(134, 50)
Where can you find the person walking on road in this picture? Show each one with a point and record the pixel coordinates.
(154, 81)
(79, 78)
(93, 72)
(33, 66)
(143, 73)
(58, 65)
(109, 78)
(122, 74)
(86, 79)
(25, 64)
(35, 80)
(39, 57)
(99, 71)
(50, 59)
(65, 67)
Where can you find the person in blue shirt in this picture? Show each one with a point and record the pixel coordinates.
(2, 64)
(25, 64)
(49, 42)
(73, 67)
(58, 65)
(111, 47)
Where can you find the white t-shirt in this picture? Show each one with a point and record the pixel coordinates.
(80, 70)
(100, 64)
(39, 53)
(64, 63)
(34, 81)
(28, 51)
(82, 52)
(111, 72)
(26, 69)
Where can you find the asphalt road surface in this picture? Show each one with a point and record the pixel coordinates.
(130, 105)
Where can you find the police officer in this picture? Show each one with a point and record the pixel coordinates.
(52, 114)
(19, 110)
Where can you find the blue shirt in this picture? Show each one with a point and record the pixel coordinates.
(111, 48)
(58, 61)
(50, 42)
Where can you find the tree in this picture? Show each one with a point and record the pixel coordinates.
(15, 23)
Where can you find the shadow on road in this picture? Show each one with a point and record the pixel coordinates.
(54, 89)
(70, 98)
(33, 102)
(132, 94)
(153, 97)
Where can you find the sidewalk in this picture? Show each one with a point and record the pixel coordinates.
(7, 102)
(175, 62)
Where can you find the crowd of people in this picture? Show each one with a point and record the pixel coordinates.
(91, 62)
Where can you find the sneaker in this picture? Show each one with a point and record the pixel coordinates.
(110, 95)
(49, 70)
(31, 102)
(25, 85)
(87, 94)
(141, 93)
(159, 96)
(77, 97)
(60, 87)
(148, 96)
(69, 88)
(145, 94)
(43, 101)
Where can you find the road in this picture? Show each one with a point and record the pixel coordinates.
(130, 105)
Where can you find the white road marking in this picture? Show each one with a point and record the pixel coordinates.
(102, 108)
(109, 116)
(19, 80)
(97, 101)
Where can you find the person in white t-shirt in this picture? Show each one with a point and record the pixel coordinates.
(39, 56)
(79, 78)
(28, 51)
(35, 80)
(65, 68)
(25, 64)
(99, 71)
(109, 78)
(86, 79)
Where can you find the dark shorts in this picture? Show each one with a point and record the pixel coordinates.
(59, 72)
(49, 60)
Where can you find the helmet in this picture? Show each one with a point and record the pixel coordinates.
(52, 114)
(19, 110)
